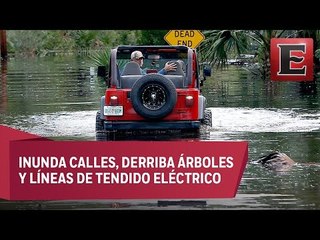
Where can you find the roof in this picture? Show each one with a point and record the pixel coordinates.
(129, 48)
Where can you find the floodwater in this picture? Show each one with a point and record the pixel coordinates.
(57, 97)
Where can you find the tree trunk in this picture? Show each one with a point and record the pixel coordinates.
(3, 43)
(265, 64)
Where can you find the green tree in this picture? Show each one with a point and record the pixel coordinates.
(151, 37)
(315, 35)
(26, 41)
(84, 39)
(218, 44)
(40, 42)
(57, 40)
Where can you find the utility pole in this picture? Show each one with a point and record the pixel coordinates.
(3, 44)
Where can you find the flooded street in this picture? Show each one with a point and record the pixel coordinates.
(57, 97)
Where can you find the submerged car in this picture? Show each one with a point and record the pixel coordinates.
(145, 101)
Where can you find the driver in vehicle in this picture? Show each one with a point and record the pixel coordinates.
(137, 56)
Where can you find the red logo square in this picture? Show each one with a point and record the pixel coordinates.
(291, 59)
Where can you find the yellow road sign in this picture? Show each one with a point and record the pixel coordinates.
(189, 38)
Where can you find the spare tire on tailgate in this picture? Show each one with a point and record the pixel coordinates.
(153, 96)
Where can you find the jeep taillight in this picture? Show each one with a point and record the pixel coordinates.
(189, 101)
(113, 100)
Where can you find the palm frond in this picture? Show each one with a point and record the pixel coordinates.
(219, 43)
(101, 58)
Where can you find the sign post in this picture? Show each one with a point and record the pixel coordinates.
(189, 38)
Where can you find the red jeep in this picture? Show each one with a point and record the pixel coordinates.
(152, 103)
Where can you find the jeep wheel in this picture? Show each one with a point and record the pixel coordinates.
(99, 122)
(207, 119)
(153, 96)
(105, 135)
(101, 133)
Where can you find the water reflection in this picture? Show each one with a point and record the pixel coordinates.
(308, 88)
(3, 93)
(57, 97)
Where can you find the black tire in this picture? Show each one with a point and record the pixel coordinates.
(99, 122)
(106, 135)
(207, 119)
(101, 133)
(153, 96)
(101, 136)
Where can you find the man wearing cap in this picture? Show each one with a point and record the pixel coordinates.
(138, 57)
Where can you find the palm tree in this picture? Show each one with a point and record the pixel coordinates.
(219, 43)
(315, 35)
(3, 44)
